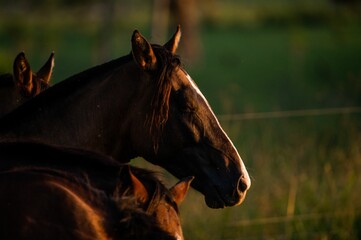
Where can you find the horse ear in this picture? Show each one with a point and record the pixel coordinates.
(23, 75)
(139, 190)
(131, 182)
(179, 191)
(142, 52)
(172, 44)
(45, 72)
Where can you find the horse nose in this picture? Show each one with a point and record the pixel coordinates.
(244, 183)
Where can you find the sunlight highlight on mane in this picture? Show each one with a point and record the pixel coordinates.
(94, 218)
(157, 119)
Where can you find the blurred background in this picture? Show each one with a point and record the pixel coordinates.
(283, 76)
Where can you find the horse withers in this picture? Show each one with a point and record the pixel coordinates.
(143, 104)
(23, 84)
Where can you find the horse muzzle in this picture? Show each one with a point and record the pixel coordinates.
(218, 197)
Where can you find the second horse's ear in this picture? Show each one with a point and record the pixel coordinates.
(143, 53)
(45, 72)
(172, 44)
(23, 76)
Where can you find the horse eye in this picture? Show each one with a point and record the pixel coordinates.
(190, 108)
(185, 103)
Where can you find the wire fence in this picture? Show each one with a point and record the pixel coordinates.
(285, 227)
(319, 225)
(288, 114)
(285, 219)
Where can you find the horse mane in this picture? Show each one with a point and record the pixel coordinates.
(158, 116)
(135, 223)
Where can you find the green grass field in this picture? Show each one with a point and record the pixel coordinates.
(305, 170)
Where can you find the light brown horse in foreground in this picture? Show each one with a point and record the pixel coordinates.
(85, 196)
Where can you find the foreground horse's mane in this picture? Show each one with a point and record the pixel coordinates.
(136, 224)
(157, 118)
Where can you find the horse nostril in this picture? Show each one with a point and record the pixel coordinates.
(244, 183)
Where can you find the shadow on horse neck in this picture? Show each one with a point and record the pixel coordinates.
(50, 197)
(24, 83)
(143, 104)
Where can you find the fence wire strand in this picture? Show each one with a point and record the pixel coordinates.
(288, 114)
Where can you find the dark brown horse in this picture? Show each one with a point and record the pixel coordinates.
(86, 196)
(24, 83)
(143, 104)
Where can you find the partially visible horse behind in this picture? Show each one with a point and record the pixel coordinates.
(23, 84)
(86, 196)
(143, 104)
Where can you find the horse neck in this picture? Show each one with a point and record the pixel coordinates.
(82, 112)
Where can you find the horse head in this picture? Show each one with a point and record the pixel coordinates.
(28, 83)
(23, 84)
(183, 134)
(157, 201)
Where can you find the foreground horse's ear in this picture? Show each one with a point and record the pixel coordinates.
(172, 44)
(139, 190)
(45, 72)
(179, 191)
(142, 52)
(23, 75)
(131, 182)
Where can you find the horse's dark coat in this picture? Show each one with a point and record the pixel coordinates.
(143, 104)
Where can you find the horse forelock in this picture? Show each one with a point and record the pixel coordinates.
(136, 224)
(159, 192)
(155, 187)
(158, 116)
